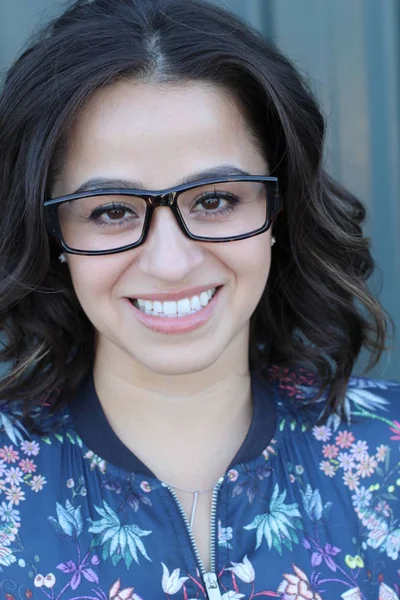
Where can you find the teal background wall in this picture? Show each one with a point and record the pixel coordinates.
(350, 50)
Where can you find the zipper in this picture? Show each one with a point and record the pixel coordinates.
(210, 578)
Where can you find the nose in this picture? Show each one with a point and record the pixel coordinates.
(167, 253)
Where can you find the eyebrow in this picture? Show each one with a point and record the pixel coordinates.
(106, 183)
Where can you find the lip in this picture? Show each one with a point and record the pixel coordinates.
(177, 294)
(176, 325)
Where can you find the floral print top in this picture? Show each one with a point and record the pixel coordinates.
(305, 512)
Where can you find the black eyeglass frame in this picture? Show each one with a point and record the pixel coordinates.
(167, 197)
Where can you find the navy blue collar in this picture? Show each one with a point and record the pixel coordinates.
(96, 433)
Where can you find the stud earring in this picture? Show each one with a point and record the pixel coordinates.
(62, 258)
(273, 240)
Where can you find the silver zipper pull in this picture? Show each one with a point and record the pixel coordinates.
(212, 587)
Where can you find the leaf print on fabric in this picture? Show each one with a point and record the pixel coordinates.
(117, 541)
(70, 567)
(251, 482)
(13, 430)
(372, 384)
(313, 506)
(69, 522)
(296, 586)
(133, 499)
(279, 525)
(359, 399)
(362, 398)
(325, 554)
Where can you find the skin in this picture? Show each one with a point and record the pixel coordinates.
(181, 403)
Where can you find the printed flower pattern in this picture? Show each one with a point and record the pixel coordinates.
(118, 541)
(296, 586)
(116, 593)
(243, 570)
(280, 525)
(171, 584)
(358, 463)
(225, 535)
(104, 534)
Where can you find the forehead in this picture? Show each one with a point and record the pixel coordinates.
(156, 133)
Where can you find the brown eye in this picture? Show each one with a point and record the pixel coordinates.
(116, 214)
(211, 203)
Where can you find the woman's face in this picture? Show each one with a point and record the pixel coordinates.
(159, 134)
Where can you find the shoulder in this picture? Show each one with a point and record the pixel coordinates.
(366, 399)
(361, 446)
(34, 453)
(353, 462)
(369, 440)
(365, 445)
(374, 400)
(22, 435)
(372, 408)
(365, 452)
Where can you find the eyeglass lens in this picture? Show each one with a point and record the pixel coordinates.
(216, 211)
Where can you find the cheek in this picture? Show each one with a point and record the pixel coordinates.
(94, 277)
(249, 260)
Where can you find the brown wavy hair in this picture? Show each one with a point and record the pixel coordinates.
(316, 310)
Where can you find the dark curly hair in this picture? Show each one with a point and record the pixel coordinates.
(316, 310)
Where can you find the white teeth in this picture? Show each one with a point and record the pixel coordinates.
(148, 307)
(157, 306)
(170, 308)
(185, 306)
(195, 303)
(204, 298)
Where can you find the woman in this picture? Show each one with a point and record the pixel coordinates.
(169, 366)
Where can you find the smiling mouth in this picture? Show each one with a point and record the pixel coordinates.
(175, 309)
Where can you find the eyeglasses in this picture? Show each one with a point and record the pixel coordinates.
(107, 221)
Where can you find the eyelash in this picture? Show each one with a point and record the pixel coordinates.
(219, 194)
(101, 210)
(96, 215)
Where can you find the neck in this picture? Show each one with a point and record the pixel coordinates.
(185, 428)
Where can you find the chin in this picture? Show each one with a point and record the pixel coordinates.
(180, 361)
